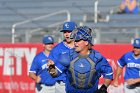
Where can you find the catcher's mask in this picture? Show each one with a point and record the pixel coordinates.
(82, 33)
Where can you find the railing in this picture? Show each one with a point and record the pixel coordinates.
(96, 11)
(38, 18)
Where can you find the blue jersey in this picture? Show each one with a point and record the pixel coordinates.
(39, 63)
(132, 65)
(83, 72)
(55, 54)
(39, 68)
(135, 10)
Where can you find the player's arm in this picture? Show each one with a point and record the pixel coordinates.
(34, 77)
(118, 73)
(121, 63)
(33, 69)
(107, 72)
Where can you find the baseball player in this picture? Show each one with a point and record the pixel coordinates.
(84, 65)
(130, 60)
(64, 46)
(44, 81)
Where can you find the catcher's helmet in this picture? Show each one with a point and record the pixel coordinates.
(136, 43)
(82, 33)
(68, 26)
(48, 39)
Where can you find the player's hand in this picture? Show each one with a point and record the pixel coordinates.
(50, 62)
(131, 81)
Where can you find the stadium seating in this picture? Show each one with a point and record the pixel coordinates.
(81, 11)
(13, 11)
(133, 18)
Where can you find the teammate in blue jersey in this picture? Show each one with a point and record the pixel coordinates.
(132, 73)
(64, 46)
(44, 82)
(84, 65)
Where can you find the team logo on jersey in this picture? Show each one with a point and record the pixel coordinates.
(44, 60)
(81, 65)
(136, 65)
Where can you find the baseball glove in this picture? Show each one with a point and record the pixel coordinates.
(103, 89)
(52, 70)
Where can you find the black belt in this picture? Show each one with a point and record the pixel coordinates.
(133, 86)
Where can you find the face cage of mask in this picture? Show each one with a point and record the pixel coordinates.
(81, 34)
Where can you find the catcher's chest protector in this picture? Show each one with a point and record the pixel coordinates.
(82, 72)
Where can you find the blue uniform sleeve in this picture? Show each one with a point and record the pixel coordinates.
(34, 67)
(121, 62)
(54, 54)
(61, 60)
(106, 69)
(63, 63)
(60, 68)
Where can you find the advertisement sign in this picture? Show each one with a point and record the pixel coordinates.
(16, 59)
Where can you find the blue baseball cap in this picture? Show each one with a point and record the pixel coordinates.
(48, 39)
(68, 26)
(136, 43)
